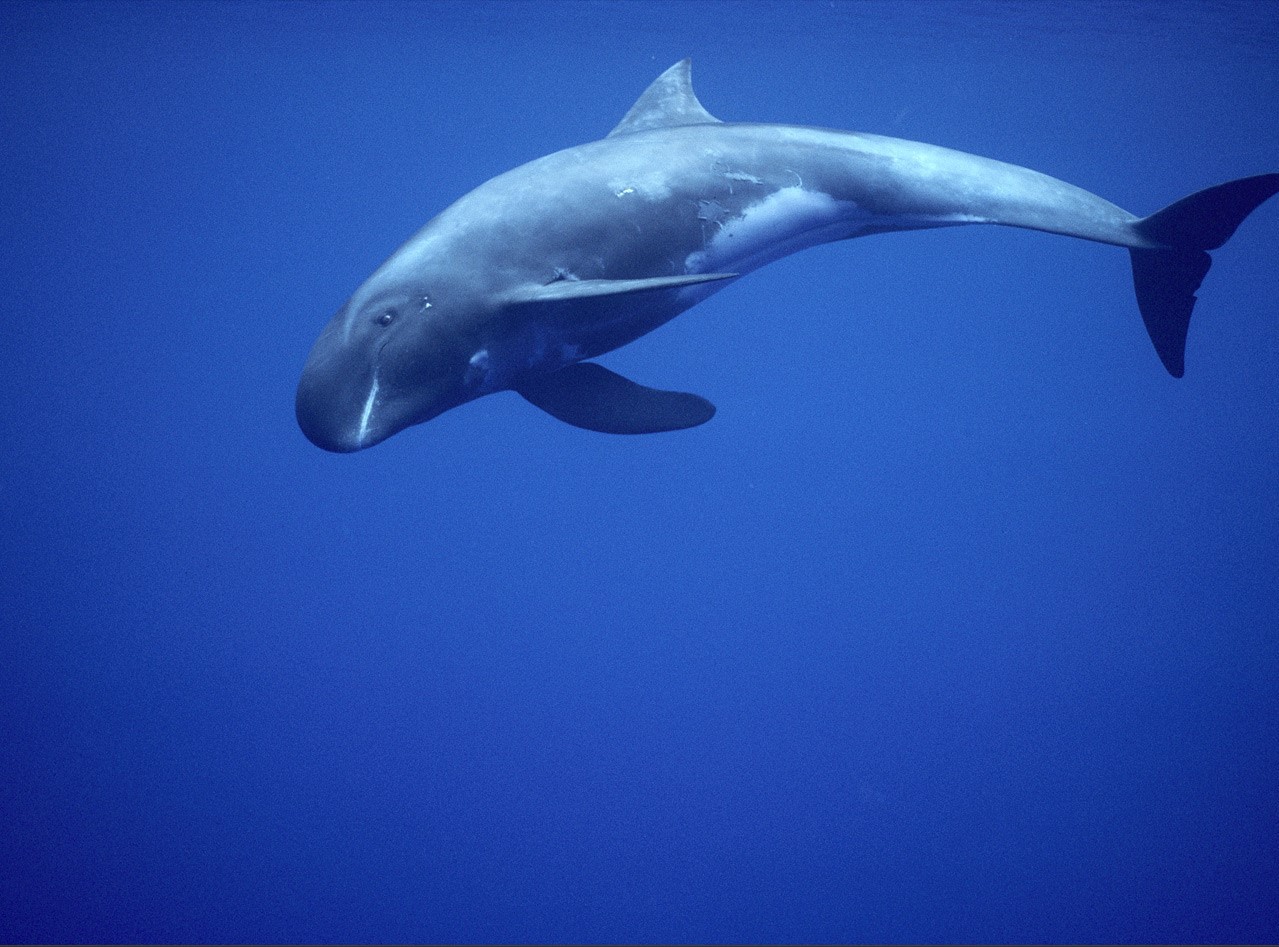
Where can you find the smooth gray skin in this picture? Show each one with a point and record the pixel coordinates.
(580, 252)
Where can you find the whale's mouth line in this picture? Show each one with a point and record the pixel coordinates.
(371, 401)
(367, 412)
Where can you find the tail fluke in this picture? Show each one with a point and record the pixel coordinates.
(1166, 279)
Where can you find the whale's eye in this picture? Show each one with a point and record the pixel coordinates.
(385, 317)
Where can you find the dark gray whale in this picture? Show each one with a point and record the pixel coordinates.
(570, 256)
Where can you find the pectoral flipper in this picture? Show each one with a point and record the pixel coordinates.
(589, 396)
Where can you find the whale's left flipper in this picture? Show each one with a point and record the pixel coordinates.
(590, 396)
(1166, 279)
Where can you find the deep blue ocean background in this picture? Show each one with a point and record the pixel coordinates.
(960, 621)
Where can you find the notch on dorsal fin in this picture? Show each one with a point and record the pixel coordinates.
(668, 102)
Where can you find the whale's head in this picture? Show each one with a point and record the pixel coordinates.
(404, 349)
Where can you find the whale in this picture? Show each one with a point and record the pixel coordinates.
(522, 283)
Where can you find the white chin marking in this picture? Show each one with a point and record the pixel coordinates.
(368, 411)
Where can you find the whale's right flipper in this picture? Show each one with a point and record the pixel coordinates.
(590, 396)
(1166, 279)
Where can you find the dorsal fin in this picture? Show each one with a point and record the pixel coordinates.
(668, 102)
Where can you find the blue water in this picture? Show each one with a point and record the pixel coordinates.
(960, 621)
